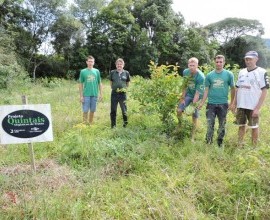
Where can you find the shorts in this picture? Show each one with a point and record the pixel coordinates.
(245, 115)
(90, 103)
(188, 101)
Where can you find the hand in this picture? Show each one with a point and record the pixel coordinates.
(181, 100)
(255, 113)
(232, 107)
(81, 99)
(100, 98)
(199, 106)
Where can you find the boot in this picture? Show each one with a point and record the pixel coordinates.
(125, 119)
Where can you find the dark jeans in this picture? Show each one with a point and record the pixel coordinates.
(118, 97)
(213, 111)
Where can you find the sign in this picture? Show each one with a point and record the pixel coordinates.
(25, 124)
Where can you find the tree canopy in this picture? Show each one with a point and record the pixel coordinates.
(139, 31)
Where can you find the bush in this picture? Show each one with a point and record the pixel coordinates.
(160, 94)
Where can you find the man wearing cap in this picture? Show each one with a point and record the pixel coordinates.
(252, 85)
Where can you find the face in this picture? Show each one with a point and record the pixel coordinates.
(193, 67)
(90, 63)
(219, 62)
(251, 62)
(119, 65)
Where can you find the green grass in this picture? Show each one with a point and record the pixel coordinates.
(138, 172)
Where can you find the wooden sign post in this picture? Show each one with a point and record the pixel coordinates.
(30, 145)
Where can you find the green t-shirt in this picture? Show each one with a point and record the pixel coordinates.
(197, 84)
(90, 78)
(219, 84)
(119, 81)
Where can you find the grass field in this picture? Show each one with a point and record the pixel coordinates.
(138, 172)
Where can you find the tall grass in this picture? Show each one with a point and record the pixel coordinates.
(138, 172)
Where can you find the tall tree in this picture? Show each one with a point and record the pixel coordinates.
(232, 28)
(65, 30)
(110, 32)
(164, 27)
(236, 49)
(36, 34)
(11, 73)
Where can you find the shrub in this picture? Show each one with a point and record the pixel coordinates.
(160, 94)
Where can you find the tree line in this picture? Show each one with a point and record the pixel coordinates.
(52, 38)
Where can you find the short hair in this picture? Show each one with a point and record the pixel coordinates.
(120, 60)
(220, 57)
(90, 58)
(193, 60)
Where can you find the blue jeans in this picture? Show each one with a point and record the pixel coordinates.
(118, 97)
(213, 111)
(90, 103)
(188, 101)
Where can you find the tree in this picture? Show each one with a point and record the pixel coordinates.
(109, 34)
(11, 14)
(86, 11)
(194, 43)
(232, 28)
(160, 94)
(163, 26)
(11, 73)
(35, 33)
(64, 30)
(236, 49)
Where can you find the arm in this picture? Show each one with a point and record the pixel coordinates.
(232, 105)
(205, 95)
(199, 86)
(81, 92)
(182, 97)
(196, 97)
(100, 91)
(128, 80)
(234, 101)
(255, 112)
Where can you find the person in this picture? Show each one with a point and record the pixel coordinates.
(119, 80)
(251, 91)
(217, 85)
(192, 93)
(89, 87)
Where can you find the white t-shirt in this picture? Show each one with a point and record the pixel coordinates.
(250, 85)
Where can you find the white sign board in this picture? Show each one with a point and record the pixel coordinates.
(25, 123)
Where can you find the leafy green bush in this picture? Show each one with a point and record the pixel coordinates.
(50, 82)
(160, 94)
(12, 76)
(11, 73)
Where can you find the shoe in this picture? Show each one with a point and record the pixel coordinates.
(219, 142)
(125, 124)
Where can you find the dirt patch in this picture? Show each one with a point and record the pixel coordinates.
(49, 174)
(21, 185)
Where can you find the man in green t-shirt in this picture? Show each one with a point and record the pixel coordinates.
(192, 93)
(90, 86)
(217, 85)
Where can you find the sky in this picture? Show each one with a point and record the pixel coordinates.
(209, 11)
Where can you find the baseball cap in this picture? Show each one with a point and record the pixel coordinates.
(251, 54)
